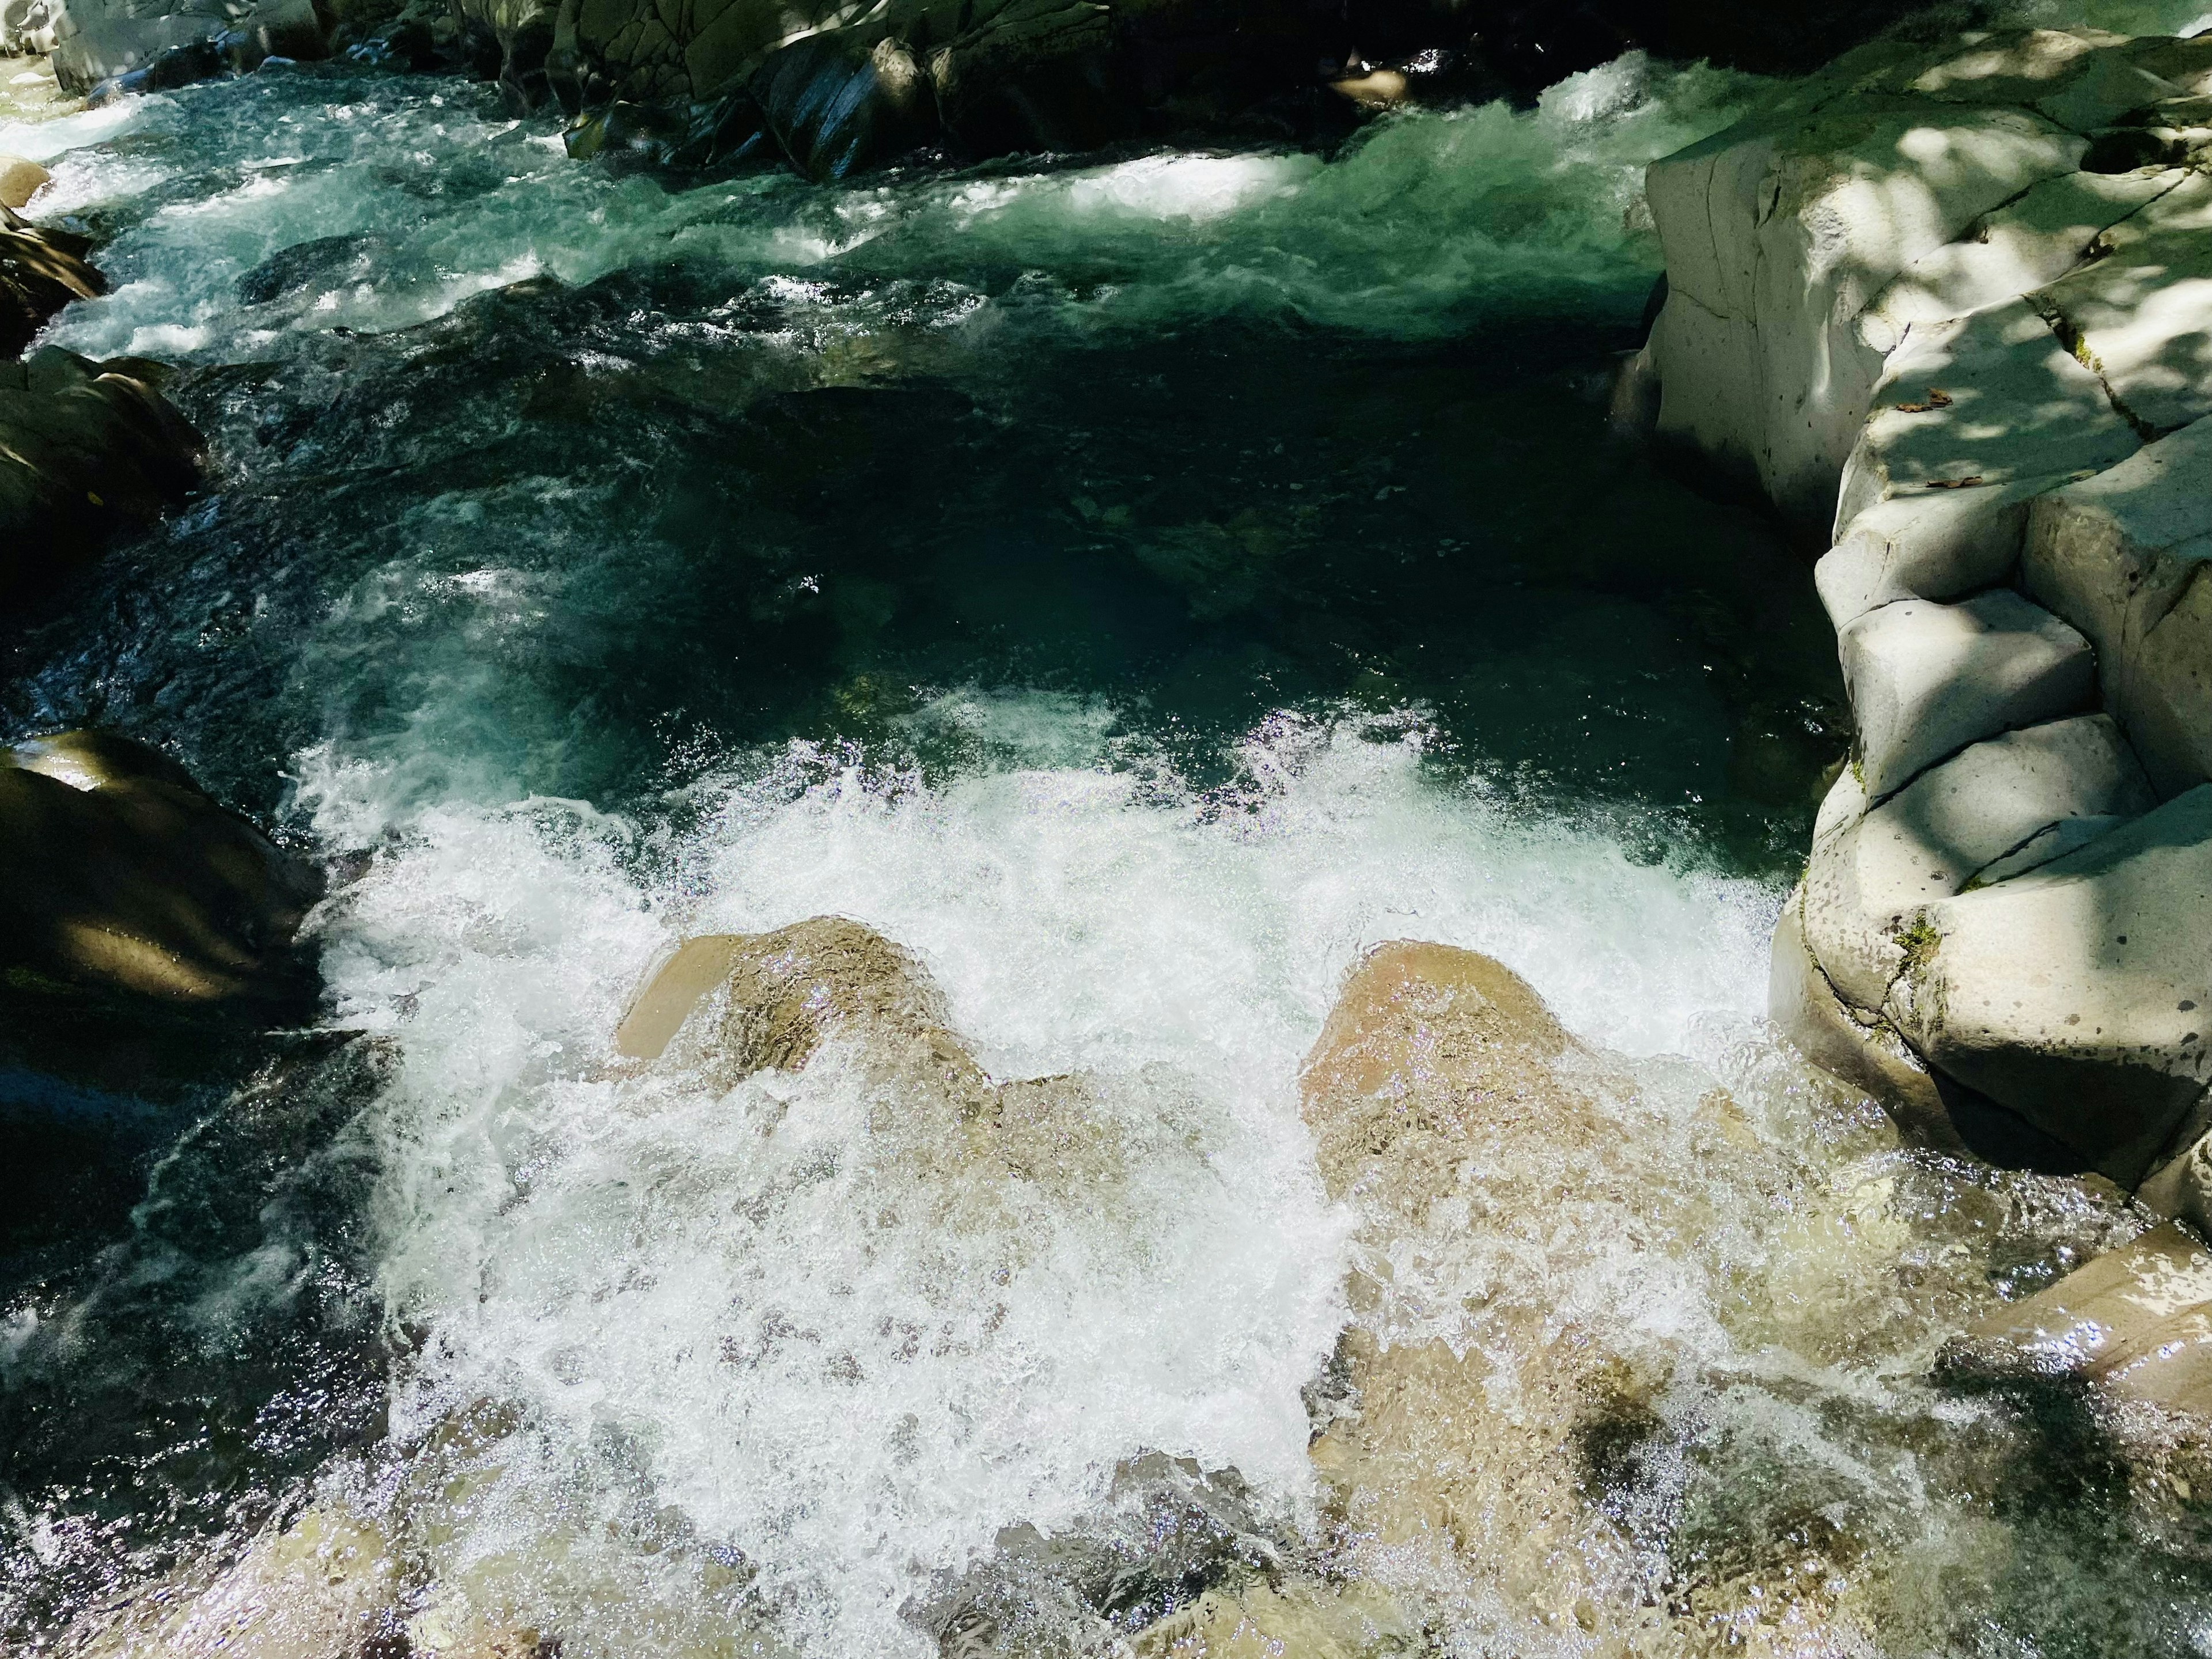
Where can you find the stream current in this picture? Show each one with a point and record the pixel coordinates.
(1136, 585)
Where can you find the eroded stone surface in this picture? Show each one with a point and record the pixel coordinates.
(2138, 314)
(2078, 994)
(2122, 557)
(1994, 398)
(1931, 839)
(1865, 1051)
(1926, 679)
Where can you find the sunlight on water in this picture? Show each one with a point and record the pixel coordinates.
(685, 1366)
(598, 1249)
(1424, 216)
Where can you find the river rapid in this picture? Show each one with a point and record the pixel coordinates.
(1135, 584)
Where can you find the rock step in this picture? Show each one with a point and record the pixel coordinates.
(1926, 679)
(1995, 801)
(2121, 556)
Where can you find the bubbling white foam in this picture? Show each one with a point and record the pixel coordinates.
(747, 1305)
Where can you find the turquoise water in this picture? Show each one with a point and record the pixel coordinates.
(1136, 584)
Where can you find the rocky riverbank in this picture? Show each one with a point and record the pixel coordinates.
(1955, 308)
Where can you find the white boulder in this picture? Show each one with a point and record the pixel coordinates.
(2079, 995)
(2122, 557)
(1926, 679)
(1992, 398)
(1780, 231)
(1936, 836)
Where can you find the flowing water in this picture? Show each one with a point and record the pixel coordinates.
(1136, 585)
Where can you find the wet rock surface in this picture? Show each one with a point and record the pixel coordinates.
(124, 879)
(86, 449)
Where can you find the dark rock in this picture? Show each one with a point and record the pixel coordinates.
(86, 449)
(41, 270)
(838, 103)
(119, 875)
(290, 270)
(180, 66)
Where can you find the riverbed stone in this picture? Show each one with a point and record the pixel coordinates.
(122, 876)
(2078, 994)
(1990, 399)
(1943, 832)
(19, 180)
(329, 1584)
(2123, 556)
(1926, 679)
(2101, 1308)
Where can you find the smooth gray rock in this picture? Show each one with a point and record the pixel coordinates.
(1926, 679)
(1866, 1053)
(2079, 995)
(2124, 558)
(1931, 840)
(2139, 316)
(1990, 399)
(1931, 544)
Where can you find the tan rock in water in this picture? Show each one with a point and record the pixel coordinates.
(731, 1004)
(1451, 1109)
(118, 873)
(325, 1587)
(1435, 1061)
(19, 180)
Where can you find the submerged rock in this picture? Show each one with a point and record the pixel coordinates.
(729, 1006)
(1446, 1099)
(124, 877)
(326, 1585)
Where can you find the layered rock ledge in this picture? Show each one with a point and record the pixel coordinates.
(1952, 306)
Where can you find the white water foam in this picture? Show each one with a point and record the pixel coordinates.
(1426, 215)
(737, 1303)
